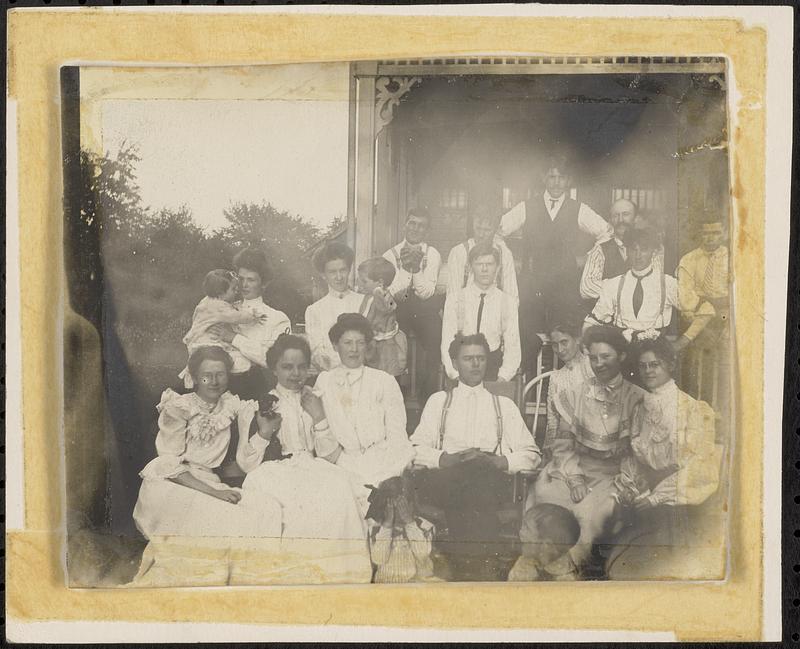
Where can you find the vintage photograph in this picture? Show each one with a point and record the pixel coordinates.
(398, 321)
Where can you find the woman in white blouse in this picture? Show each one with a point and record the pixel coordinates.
(575, 369)
(317, 498)
(181, 495)
(672, 471)
(365, 410)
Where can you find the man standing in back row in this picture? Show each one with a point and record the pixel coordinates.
(417, 267)
(557, 232)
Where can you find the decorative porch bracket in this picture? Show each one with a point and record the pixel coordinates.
(389, 91)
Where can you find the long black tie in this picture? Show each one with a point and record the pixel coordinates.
(480, 313)
(553, 202)
(638, 294)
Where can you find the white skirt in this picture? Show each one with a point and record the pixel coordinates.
(165, 508)
(317, 498)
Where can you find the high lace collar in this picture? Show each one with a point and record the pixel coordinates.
(665, 392)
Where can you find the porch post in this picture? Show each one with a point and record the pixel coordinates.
(363, 146)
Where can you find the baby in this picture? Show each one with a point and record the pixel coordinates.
(548, 532)
(391, 347)
(222, 290)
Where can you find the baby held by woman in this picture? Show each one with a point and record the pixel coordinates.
(218, 307)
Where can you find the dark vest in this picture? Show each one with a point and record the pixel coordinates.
(614, 264)
(551, 246)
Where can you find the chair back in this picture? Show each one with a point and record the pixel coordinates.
(538, 406)
(511, 389)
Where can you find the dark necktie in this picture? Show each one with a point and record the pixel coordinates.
(480, 312)
(638, 294)
(553, 202)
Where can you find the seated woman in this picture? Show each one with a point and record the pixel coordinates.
(365, 409)
(591, 441)
(181, 495)
(674, 468)
(316, 497)
(575, 369)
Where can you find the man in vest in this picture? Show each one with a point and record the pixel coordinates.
(608, 259)
(484, 228)
(483, 308)
(468, 442)
(557, 232)
(417, 267)
(640, 301)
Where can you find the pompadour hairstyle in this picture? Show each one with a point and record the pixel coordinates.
(331, 252)
(350, 322)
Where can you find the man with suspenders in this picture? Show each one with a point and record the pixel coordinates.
(640, 301)
(467, 444)
(417, 267)
(459, 272)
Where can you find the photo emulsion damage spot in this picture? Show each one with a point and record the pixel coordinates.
(427, 320)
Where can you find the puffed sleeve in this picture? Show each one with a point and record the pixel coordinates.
(250, 450)
(173, 417)
(698, 475)
(565, 462)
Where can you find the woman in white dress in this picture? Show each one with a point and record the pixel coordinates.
(365, 410)
(317, 497)
(674, 526)
(181, 496)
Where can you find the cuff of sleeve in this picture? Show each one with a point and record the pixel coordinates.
(321, 426)
(163, 467)
(258, 443)
(575, 480)
(429, 457)
(237, 341)
(522, 462)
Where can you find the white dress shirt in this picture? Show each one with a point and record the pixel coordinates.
(589, 221)
(499, 323)
(694, 272)
(619, 313)
(367, 416)
(320, 317)
(457, 260)
(253, 340)
(472, 423)
(421, 283)
(592, 277)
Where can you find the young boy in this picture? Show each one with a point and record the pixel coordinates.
(548, 532)
(379, 307)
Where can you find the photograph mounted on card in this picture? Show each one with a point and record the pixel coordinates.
(458, 319)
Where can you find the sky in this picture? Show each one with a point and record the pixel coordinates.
(208, 153)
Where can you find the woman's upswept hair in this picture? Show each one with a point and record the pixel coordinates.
(284, 343)
(208, 353)
(611, 336)
(255, 260)
(660, 347)
(350, 322)
(331, 252)
(570, 328)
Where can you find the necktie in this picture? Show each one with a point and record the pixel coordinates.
(638, 294)
(708, 279)
(480, 312)
(553, 202)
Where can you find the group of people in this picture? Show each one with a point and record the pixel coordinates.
(305, 437)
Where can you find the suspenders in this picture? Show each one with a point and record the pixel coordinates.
(617, 308)
(443, 421)
(467, 269)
